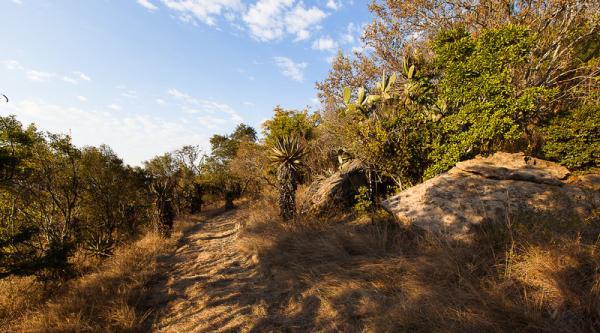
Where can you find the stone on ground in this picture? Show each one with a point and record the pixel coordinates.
(337, 191)
(497, 188)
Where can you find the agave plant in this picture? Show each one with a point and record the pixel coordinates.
(287, 154)
(162, 189)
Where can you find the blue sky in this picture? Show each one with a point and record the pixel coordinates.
(148, 76)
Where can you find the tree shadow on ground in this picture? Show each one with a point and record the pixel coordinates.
(538, 275)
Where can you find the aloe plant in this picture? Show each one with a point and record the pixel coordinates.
(163, 204)
(287, 154)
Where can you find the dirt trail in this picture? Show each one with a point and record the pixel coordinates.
(208, 285)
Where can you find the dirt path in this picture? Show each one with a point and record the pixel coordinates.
(208, 284)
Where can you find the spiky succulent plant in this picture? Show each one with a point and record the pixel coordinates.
(287, 154)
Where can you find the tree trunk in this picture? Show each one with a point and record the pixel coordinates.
(166, 215)
(196, 202)
(286, 177)
(229, 200)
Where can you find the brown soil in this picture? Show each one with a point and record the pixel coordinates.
(209, 284)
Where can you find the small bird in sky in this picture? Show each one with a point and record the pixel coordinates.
(6, 98)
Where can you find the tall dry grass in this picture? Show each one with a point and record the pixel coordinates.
(110, 297)
(359, 275)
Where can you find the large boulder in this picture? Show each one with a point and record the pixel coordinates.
(496, 188)
(337, 191)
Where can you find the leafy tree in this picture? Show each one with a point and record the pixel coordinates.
(113, 200)
(485, 110)
(216, 169)
(288, 123)
(573, 138)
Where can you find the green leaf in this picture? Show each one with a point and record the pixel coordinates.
(411, 72)
(392, 81)
(347, 94)
(373, 98)
(361, 96)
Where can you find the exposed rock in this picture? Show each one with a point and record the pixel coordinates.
(337, 191)
(496, 188)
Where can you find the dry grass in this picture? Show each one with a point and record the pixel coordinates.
(355, 275)
(107, 298)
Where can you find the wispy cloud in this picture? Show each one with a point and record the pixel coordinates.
(193, 105)
(205, 11)
(291, 69)
(265, 20)
(114, 107)
(39, 76)
(147, 4)
(136, 137)
(76, 77)
(12, 65)
(43, 76)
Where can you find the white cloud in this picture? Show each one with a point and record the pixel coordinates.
(69, 79)
(135, 137)
(206, 11)
(78, 77)
(192, 105)
(82, 76)
(301, 20)
(130, 94)
(12, 65)
(334, 4)
(272, 19)
(147, 4)
(348, 36)
(39, 76)
(18, 2)
(160, 101)
(82, 98)
(114, 107)
(325, 44)
(42, 76)
(289, 68)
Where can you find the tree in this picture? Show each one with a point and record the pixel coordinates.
(486, 109)
(573, 138)
(288, 123)
(216, 169)
(287, 155)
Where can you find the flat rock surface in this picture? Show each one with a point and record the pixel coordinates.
(497, 188)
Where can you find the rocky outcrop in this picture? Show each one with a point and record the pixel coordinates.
(496, 188)
(335, 192)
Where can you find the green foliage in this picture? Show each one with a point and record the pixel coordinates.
(56, 198)
(390, 132)
(287, 151)
(364, 202)
(289, 123)
(485, 111)
(216, 169)
(573, 138)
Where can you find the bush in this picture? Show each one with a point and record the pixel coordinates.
(573, 138)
